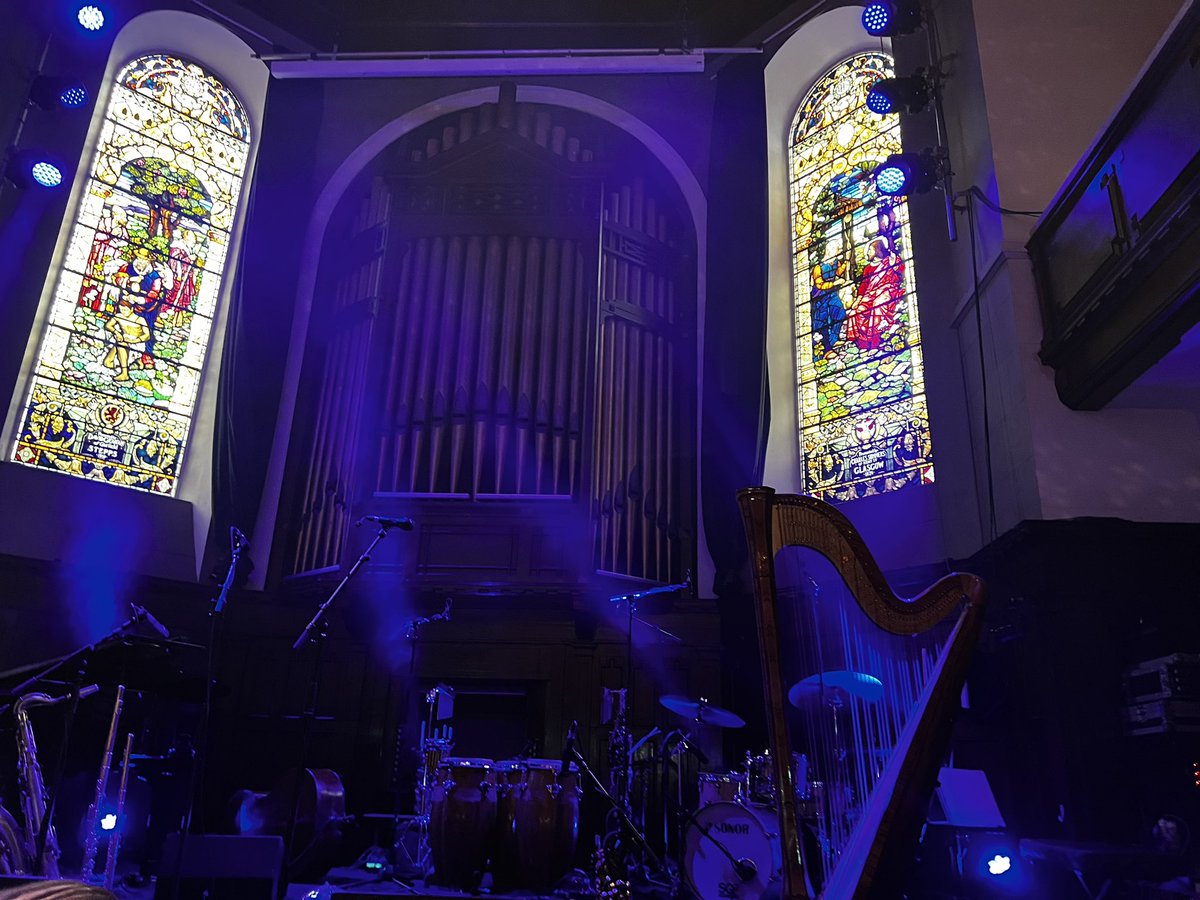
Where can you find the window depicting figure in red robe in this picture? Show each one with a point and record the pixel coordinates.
(877, 300)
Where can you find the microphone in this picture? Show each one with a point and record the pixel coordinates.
(568, 751)
(144, 615)
(745, 868)
(388, 522)
(239, 539)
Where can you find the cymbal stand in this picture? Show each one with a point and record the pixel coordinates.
(625, 779)
(315, 633)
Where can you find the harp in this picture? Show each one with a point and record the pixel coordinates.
(857, 838)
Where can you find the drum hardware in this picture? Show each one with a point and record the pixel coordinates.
(621, 774)
(625, 821)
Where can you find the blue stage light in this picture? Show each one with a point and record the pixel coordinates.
(878, 101)
(74, 96)
(46, 174)
(888, 95)
(908, 173)
(891, 180)
(876, 18)
(52, 92)
(26, 168)
(91, 17)
(885, 18)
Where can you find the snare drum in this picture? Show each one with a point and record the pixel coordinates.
(749, 832)
(722, 787)
(547, 822)
(462, 820)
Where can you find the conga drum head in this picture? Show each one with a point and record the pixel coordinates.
(747, 832)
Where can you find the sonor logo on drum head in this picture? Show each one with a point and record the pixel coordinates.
(726, 828)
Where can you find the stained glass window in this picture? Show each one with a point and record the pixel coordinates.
(864, 425)
(120, 360)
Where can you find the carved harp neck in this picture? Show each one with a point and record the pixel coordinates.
(882, 844)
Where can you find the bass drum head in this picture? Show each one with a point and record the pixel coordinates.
(748, 833)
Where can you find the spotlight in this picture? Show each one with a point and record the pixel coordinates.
(51, 92)
(91, 17)
(27, 168)
(885, 18)
(908, 173)
(108, 822)
(890, 94)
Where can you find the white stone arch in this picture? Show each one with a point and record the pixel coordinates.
(359, 158)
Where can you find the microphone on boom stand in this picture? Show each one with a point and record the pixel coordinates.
(568, 755)
(386, 522)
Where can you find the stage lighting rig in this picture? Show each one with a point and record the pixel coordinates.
(888, 18)
(28, 168)
(888, 95)
(902, 174)
(90, 17)
(55, 92)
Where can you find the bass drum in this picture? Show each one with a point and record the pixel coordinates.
(746, 831)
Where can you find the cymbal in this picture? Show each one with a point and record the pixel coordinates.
(855, 684)
(701, 711)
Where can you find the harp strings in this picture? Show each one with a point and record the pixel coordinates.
(842, 738)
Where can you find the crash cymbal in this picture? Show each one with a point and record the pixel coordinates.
(701, 711)
(854, 684)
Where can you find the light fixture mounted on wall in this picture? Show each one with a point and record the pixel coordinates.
(902, 174)
(889, 95)
(888, 18)
(33, 168)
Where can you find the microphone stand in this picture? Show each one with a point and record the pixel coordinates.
(638, 838)
(412, 632)
(237, 543)
(315, 632)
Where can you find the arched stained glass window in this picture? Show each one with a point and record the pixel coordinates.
(119, 363)
(864, 425)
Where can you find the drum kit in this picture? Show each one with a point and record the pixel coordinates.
(730, 847)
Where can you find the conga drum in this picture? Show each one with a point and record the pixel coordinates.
(506, 852)
(462, 820)
(547, 812)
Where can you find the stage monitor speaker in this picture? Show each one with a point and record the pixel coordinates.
(238, 867)
(964, 799)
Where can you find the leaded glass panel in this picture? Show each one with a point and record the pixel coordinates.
(121, 357)
(864, 425)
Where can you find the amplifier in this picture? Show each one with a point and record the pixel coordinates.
(1176, 676)
(1163, 717)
